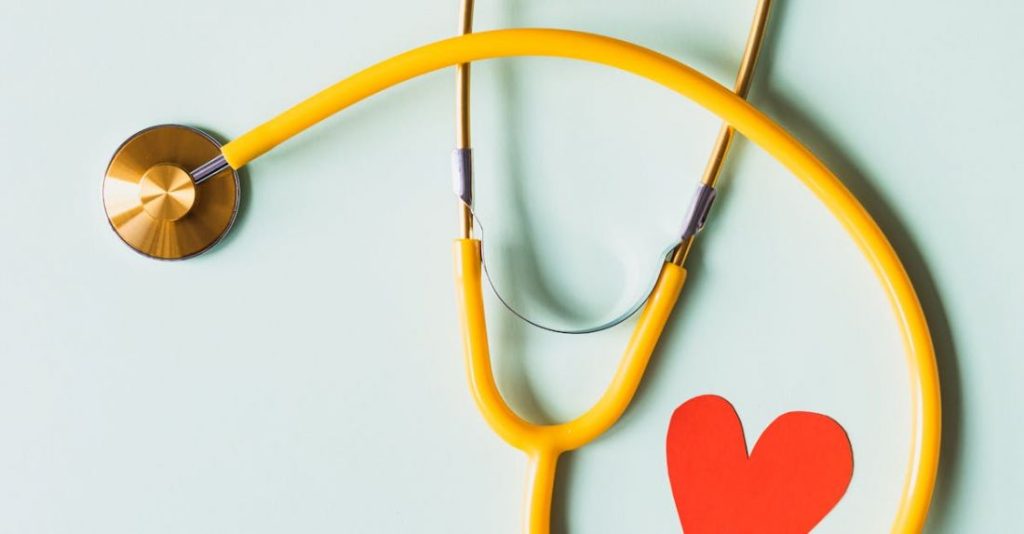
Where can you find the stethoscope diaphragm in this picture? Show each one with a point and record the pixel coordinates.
(153, 202)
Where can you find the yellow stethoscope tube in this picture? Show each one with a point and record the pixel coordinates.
(544, 443)
(924, 386)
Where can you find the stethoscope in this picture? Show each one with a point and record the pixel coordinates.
(171, 192)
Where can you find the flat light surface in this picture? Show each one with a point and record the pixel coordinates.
(306, 375)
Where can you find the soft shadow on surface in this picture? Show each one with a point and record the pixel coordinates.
(560, 523)
(510, 349)
(524, 273)
(815, 135)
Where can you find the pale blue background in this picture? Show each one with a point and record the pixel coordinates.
(306, 376)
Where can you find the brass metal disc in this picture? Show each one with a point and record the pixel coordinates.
(152, 202)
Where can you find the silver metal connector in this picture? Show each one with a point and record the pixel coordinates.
(700, 206)
(462, 174)
(209, 169)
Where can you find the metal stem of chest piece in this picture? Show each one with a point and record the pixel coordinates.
(209, 169)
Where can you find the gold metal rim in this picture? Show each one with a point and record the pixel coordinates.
(195, 217)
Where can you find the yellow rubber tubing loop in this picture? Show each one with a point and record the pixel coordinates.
(755, 126)
(544, 443)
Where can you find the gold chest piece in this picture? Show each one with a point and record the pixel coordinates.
(152, 202)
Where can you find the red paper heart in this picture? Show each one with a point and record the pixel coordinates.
(796, 474)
